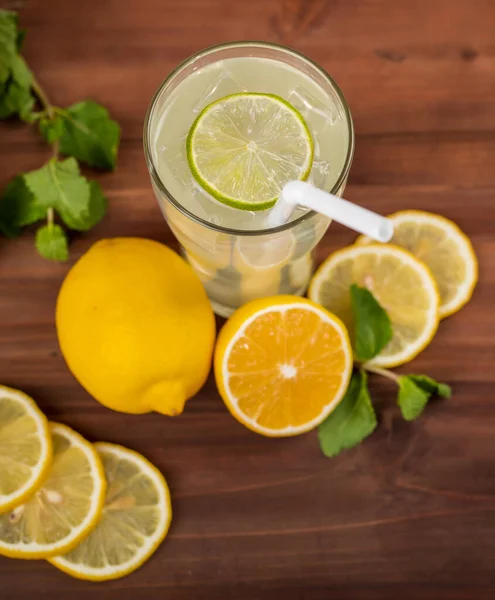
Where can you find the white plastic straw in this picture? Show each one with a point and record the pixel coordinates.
(301, 193)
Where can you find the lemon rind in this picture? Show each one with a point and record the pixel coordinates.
(280, 303)
(424, 340)
(109, 572)
(38, 551)
(39, 472)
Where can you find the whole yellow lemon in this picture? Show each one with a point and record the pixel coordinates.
(135, 326)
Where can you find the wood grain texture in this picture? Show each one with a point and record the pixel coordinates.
(410, 513)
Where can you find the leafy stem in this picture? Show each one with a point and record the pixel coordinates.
(354, 418)
(83, 132)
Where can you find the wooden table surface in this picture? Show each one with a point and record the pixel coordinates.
(411, 512)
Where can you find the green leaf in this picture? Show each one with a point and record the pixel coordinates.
(434, 388)
(21, 73)
(412, 398)
(26, 111)
(8, 42)
(51, 129)
(59, 185)
(21, 35)
(96, 210)
(373, 329)
(15, 76)
(415, 391)
(89, 134)
(16, 99)
(19, 207)
(352, 421)
(51, 242)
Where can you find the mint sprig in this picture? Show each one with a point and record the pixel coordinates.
(354, 417)
(83, 132)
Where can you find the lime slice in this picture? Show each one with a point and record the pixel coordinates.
(243, 148)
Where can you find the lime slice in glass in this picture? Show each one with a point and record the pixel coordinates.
(242, 149)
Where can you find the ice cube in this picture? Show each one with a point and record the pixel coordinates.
(319, 173)
(318, 116)
(210, 209)
(224, 85)
(173, 154)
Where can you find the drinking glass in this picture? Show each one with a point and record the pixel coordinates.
(237, 256)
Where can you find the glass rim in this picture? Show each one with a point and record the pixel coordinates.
(243, 44)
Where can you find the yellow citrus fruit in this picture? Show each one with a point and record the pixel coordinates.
(67, 506)
(135, 519)
(205, 271)
(25, 448)
(135, 326)
(446, 250)
(252, 256)
(401, 283)
(300, 271)
(282, 364)
(260, 285)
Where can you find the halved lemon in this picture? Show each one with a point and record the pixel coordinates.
(282, 364)
(135, 519)
(243, 148)
(25, 448)
(444, 247)
(67, 506)
(402, 284)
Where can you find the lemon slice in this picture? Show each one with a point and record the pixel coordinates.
(444, 248)
(260, 285)
(300, 271)
(243, 148)
(65, 509)
(401, 283)
(135, 519)
(282, 365)
(205, 271)
(251, 255)
(25, 447)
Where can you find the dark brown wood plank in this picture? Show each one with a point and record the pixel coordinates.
(409, 514)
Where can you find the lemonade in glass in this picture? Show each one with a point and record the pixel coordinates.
(223, 134)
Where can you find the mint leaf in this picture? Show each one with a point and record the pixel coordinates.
(434, 388)
(96, 210)
(21, 73)
(415, 391)
(15, 76)
(352, 421)
(373, 330)
(21, 34)
(89, 134)
(51, 242)
(59, 185)
(15, 99)
(26, 110)
(18, 207)
(8, 42)
(412, 398)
